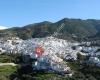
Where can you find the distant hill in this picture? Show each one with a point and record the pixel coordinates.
(3, 27)
(77, 29)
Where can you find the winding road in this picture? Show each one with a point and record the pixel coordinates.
(6, 64)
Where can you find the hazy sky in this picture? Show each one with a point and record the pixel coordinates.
(22, 12)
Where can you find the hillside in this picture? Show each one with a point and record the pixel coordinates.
(74, 29)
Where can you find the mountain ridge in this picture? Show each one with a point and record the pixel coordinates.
(82, 29)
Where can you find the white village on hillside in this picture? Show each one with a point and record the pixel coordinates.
(55, 52)
(52, 52)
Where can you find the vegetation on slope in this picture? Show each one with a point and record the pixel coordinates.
(73, 29)
(6, 71)
(81, 70)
